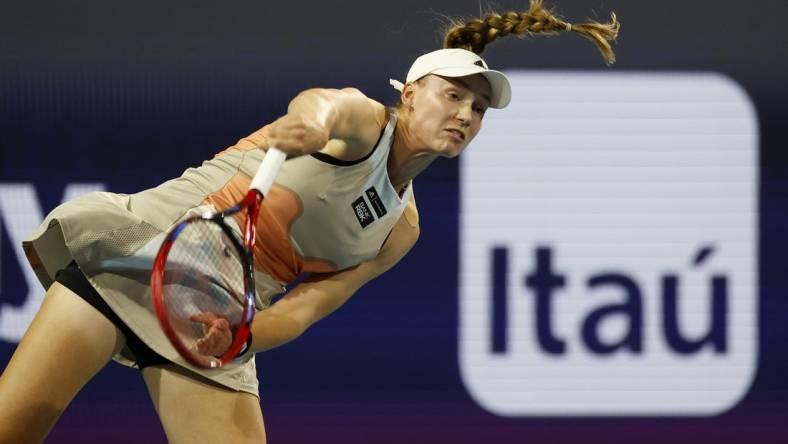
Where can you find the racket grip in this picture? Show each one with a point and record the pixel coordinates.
(267, 171)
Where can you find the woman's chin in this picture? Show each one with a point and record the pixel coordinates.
(451, 149)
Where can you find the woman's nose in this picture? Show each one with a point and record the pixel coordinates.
(464, 114)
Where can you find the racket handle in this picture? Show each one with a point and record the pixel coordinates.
(266, 173)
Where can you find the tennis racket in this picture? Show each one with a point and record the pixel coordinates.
(203, 277)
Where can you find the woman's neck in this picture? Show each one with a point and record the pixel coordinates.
(406, 160)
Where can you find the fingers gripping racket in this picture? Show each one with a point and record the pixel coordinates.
(202, 283)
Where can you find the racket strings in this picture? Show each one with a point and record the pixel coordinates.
(203, 274)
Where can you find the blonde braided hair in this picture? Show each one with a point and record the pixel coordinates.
(477, 33)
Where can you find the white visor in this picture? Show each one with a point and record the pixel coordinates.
(456, 62)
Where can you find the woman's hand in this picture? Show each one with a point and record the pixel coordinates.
(218, 335)
(296, 135)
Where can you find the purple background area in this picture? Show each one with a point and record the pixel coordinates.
(97, 91)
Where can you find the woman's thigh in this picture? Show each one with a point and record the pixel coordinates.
(67, 343)
(195, 410)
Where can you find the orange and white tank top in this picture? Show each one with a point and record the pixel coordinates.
(322, 214)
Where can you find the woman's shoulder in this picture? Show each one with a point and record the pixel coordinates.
(359, 109)
(360, 120)
(349, 100)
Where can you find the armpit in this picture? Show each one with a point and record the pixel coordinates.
(411, 213)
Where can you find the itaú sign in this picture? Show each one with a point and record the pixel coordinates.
(608, 235)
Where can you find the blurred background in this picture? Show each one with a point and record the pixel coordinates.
(123, 96)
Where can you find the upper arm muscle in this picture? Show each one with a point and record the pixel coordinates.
(357, 124)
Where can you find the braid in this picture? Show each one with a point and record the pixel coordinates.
(475, 34)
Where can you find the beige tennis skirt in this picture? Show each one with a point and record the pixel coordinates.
(115, 248)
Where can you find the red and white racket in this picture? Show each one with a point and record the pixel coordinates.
(203, 277)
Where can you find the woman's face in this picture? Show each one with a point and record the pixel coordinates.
(447, 112)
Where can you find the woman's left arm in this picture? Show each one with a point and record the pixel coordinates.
(321, 294)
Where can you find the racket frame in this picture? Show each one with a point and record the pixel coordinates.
(260, 185)
(252, 203)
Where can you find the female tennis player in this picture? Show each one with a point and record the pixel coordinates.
(341, 209)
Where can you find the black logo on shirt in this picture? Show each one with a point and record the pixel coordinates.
(361, 210)
(377, 204)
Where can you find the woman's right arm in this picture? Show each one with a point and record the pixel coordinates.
(316, 116)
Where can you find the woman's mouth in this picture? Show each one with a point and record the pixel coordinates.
(456, 134)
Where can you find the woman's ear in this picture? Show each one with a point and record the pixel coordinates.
(408, 92)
